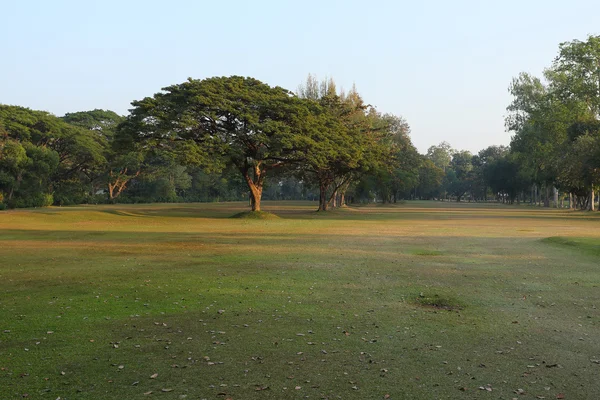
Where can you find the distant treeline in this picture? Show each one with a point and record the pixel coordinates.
(235, 138)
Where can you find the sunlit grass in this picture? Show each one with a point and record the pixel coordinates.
(420, 300)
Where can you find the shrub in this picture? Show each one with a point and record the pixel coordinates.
(37, 200)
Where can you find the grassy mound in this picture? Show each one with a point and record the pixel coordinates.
(255, 215)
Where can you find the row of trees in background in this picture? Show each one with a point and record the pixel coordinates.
(554, 154)
(201, 140)
(321, 145)
(233, 138)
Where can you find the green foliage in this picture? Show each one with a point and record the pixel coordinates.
(505, 176)
(581, 163)
(551, 120)
(430, 179)
(575, 73)
(103, 122)
(43, 156)
(189, 141)
(441, 155)
(399, 173)
(351, 140)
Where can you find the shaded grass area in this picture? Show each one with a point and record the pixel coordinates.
(97, 304)
(589, 246)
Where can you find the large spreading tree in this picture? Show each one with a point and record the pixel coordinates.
(222, 121)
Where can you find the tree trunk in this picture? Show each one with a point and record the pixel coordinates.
(583, 201)
(111, 189)
(332, 201)
(547, 196)
(532, 195)
(592, 200)
(255, 184)
(571, 201)
(12, 188)
(322, 197)
(120, 183)
(555, 191)
(255, 197)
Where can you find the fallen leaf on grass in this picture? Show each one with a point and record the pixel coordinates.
(154, 376)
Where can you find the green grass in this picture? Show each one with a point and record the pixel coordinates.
(589, 246)
(420, 300)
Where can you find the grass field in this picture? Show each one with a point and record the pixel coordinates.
(415, 301)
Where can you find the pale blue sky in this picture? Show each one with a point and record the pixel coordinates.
(443, 65)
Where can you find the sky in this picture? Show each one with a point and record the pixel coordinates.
(445, 66)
